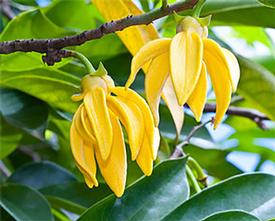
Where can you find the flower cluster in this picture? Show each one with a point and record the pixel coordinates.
(176, 69)
(186, 59)
(96, 132)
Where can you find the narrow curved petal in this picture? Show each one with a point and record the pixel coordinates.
(149, 51)
(197, 99)
(129, 94)
(155, 79)
(133, 37)
(219, 73)
(78, 124)
(177, 112)
(186, 52)
(96, 107)
(145, 158)
(84, 156)
(86, 125)
(131, 117)
(233, 67)
(114, 169)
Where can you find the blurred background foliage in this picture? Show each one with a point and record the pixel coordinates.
(36, 111)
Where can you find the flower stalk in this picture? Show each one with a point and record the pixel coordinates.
(84, 60)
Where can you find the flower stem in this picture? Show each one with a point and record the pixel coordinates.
(201, 177)
(198, 8)
(192, 179)
(85, 61)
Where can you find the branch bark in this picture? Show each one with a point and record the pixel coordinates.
(44, 45)
(252, 114)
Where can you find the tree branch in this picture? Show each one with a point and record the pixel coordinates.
(43, 46)
(252, 114)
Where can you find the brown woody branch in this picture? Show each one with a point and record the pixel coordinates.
(252, 114)
(45, 45)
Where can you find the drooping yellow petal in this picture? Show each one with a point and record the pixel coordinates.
(177, 112)
(186, 52)
(114, 169)
(131, 117)
(197, 99)
(129, 94)
(84, 155)
(234, 68)
(96, 107)
(133, 37)
(145, 54)
(86, 125)
(145, 158)
(155, 79)
(219, 73)
(78, 124)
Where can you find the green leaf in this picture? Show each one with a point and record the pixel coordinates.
(39, 175)
(9, 138)
(253, 193)
(30, 24)
(73, 196)
(252, 35)
(239, 12)
(24, 111)
(257, 85)
(50, 85)
(268, 3)
(72, 15)
(24, 203)
(150, 198)
(232, 215)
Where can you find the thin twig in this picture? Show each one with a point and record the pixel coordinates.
(43, 46)
(252, 114)
(178, 150)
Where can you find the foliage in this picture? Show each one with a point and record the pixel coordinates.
(39, 179)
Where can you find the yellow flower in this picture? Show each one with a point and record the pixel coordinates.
(186, 59)
(96, 133)
(134, 38)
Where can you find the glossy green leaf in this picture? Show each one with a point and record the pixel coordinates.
(9, 138)
(32, 24)
(50, 85)
(24, 111)
(150, 198)
(268, 3)
(72, 15)
(232, 215)
(252, 35)
(257, 85)
(24, 203)
(27, 25)
(39, 175)
(73, 196)
(253, 193)
(239, 12)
